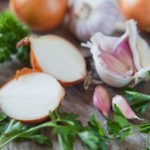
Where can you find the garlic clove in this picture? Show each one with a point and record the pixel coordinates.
(101, 100)
(106, 75)
(144, 52)
(123, 53)
(114, 65)
(124, 107)
(133, 40)
(119, 59)
(139, 47)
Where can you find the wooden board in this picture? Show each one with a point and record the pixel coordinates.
(77, 100)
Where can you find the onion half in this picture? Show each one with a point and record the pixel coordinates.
(59, 58)
(30, 97)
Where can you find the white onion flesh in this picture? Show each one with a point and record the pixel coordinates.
(31, 97)
(59, 58)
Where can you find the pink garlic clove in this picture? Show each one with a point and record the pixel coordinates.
(114, 65)
(123, 53)
(101, 100)
(124, 107)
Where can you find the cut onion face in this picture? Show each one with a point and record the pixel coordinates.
(31, 97)
(59, 58)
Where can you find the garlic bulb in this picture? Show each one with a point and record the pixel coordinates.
(87, 17)
(120, 60)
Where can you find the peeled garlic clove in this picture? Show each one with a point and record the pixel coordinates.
(123, 53)
(114, 65)
(124, 107)
(101, 100)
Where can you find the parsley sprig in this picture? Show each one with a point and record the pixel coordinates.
(11, 31)
(139, 102)
(67, 128)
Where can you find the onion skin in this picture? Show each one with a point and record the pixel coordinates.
(40, 15)
(137, 10)
(35, 65)
(30, 122)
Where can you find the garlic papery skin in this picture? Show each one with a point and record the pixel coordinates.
(142, 75)
(121, 60)
(86, 17)
(102, 100)
(124, 107)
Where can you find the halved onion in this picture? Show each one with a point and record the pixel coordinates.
(59, 58)
(30, 97)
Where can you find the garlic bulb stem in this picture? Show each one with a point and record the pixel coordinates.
(84, 11)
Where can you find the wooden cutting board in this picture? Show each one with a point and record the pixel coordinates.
(77, 100)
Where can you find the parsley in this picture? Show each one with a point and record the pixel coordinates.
(139, 102)
(67, 128)
(11, 31)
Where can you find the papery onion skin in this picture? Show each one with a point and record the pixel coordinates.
(35, 65)
(39, 15)
(137, 10)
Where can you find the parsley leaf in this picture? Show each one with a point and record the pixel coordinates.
(139, 102)
(11, 31)
(66, 128)
(94, 135)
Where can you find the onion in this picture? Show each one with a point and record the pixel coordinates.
(30, 96)
(40, 15)
(139, 10)
(57, 57)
